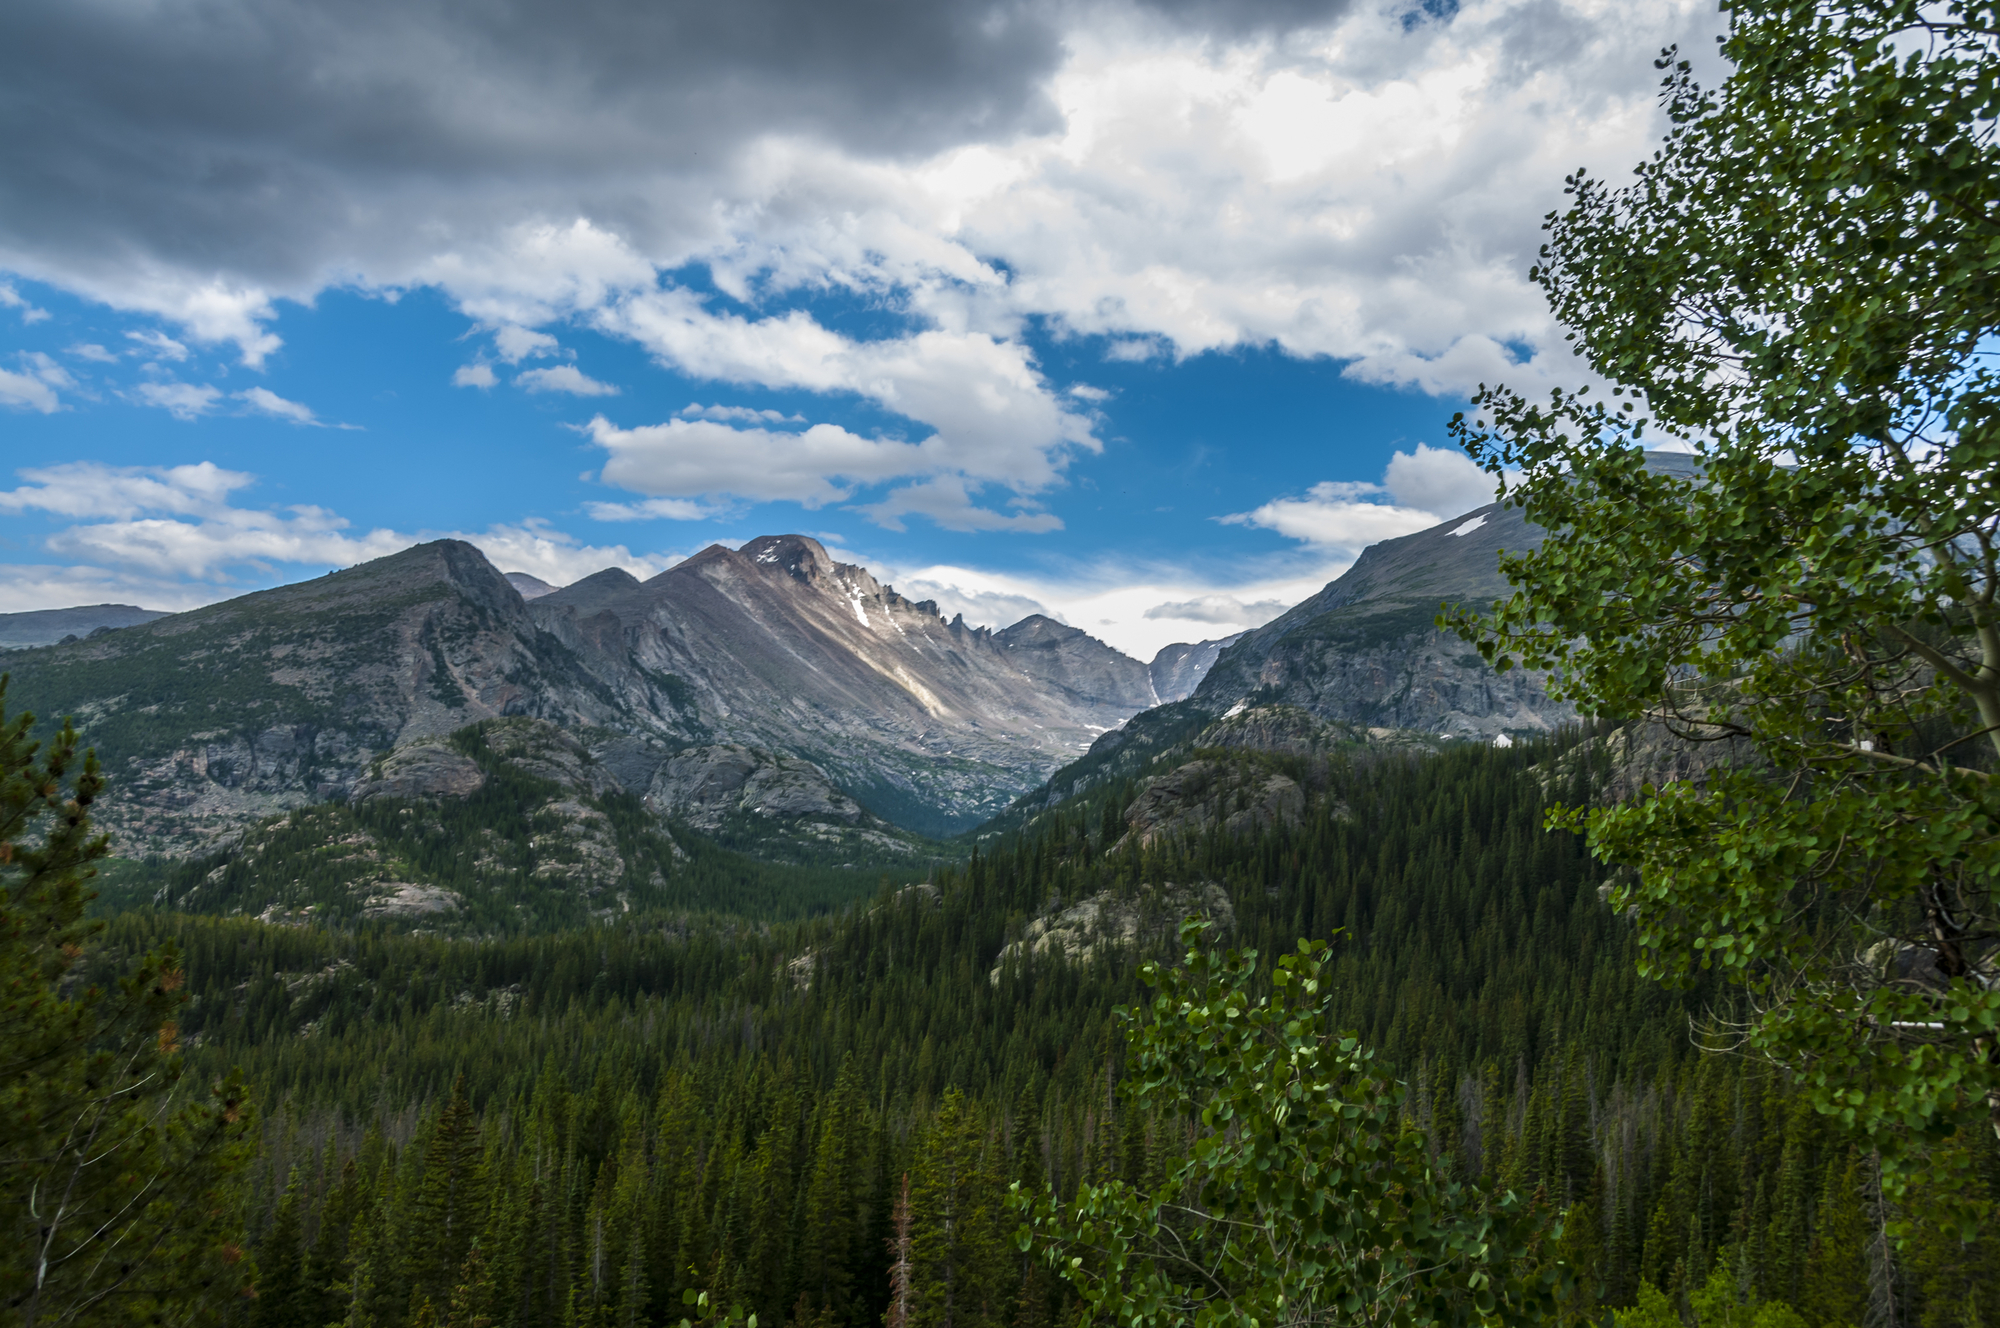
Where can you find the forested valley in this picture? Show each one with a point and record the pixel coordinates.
(819, 1120)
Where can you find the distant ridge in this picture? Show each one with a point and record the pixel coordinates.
(45, 627)
(531, 587)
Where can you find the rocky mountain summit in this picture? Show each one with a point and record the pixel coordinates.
(932, 724)
(212, 719)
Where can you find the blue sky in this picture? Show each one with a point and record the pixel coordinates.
(1150, 319)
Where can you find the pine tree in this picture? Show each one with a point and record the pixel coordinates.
(448, 1203)
(955, 1246)
(117, 1178)
(281, 1259)
(1836, 1280)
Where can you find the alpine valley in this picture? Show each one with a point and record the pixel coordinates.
(748, 931)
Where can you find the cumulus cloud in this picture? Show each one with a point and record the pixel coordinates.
(1441, 480)
(1423, 488)
(92, 489)
(1176, 176)
(535, 547)
(516, 343)
(694, 410)
(564, 378)
(173, 536)
(210, 548)
(948, 502)
(474, 375)
(1127, 606)
(697, 458)
(35, 385)
(96, 354)
(671, 509)
(993, 416)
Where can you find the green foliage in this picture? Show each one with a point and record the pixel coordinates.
(115, 1174)
(1800, 287)
(1308, 1195)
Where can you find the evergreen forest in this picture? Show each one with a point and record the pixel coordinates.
(816, 1116)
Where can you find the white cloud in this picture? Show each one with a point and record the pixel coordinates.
(1359, 190)
(949, 504)
(538, 549)
(516, 343)
(697, 458)
(1328, 517)
(694, 410)
(96, 354)
(160, 345)
(672, 509)
(91, 489)
(564, 378)
(1439, 479)
(172, 537)
(184, 401)
(12, 299)
(474, 375)
(994, 416)
(1121, 604)
(213, 547)
(1222, 610)
(266, 402)
(1426, 488)
(36, 385)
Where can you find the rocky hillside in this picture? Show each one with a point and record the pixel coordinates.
(1366, 650)
(211, 719)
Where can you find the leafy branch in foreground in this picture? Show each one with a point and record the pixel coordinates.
(1307, 1194)
(1799, 288)
(115, 1180)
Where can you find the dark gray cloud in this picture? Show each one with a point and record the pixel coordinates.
(1237, 18)
(268, 138)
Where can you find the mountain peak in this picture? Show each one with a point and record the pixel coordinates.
(804, 557)
(1037, 629)
(595, 591)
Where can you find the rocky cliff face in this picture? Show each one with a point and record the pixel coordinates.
(1179, 668)
(501, 825)
(1366, 650)
(1145, 920)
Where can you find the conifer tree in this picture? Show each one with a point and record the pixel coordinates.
(281, 1257)
(955, 1249)
(117, 1177)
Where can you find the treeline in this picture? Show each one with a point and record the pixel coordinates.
(571, 1128)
